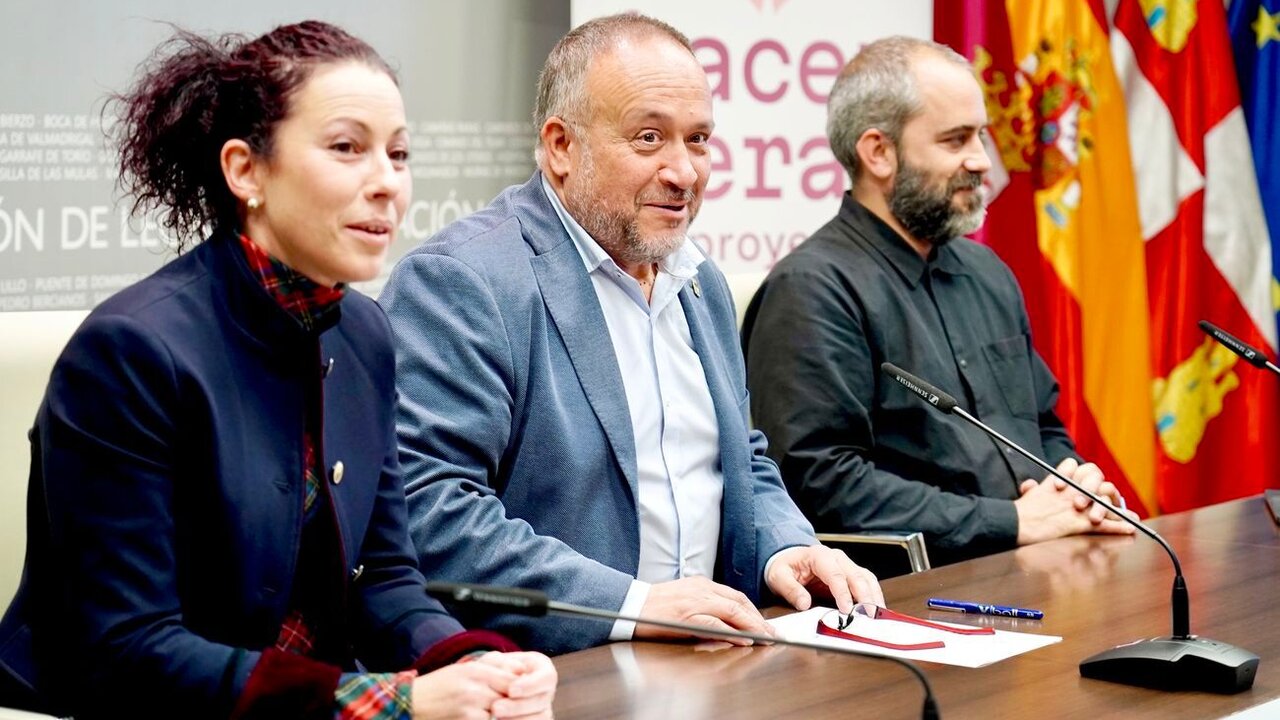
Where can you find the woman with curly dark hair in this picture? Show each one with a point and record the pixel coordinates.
(216, 518)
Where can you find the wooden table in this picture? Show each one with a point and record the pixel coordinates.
(1096, 592)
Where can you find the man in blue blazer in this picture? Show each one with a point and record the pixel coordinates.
(573, 412)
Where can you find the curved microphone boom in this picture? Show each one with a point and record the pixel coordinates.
(520, 601)
(1247, 352)
(1178, 661)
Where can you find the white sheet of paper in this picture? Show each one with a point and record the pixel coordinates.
(964, 650)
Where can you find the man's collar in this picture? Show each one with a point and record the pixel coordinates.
(593, 256)
(896, 249)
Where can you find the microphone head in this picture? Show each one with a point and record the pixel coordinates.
(924, 390)
(490, 598)
(1251, 355)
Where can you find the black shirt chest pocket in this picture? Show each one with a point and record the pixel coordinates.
(1010, 362)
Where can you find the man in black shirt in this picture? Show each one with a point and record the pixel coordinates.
(890, 279)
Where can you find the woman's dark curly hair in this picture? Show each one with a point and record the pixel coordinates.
(194, 94)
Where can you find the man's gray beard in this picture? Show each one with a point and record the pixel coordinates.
(928, 214)
(618, 234)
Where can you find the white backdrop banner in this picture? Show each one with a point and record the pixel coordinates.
(771, 64)
(467, 72)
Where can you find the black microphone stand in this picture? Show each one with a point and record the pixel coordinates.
(521, 601)
(1177, 661)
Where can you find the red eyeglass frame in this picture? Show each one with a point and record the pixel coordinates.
(882, 613)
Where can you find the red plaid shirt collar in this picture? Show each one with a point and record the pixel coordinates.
(307, 301)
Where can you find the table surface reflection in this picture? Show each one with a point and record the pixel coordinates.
(1096, 592)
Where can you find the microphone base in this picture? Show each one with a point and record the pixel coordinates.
(1175, 663)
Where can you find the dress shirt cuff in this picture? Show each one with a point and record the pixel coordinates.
(632, 604)
(370, 696)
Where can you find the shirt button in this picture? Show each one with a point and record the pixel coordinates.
(336, 474)
(964, 363)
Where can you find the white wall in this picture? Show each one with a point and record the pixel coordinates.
(29, 343)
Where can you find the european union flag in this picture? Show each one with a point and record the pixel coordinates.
(1255, 40)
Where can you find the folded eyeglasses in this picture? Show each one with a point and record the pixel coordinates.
(858, 626)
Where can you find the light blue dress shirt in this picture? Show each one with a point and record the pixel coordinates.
(673, 418)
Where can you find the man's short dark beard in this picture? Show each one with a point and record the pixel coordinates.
(928, 213)
(616, 233)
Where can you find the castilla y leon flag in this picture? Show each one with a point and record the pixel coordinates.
(1063, 214)
(1208, 252)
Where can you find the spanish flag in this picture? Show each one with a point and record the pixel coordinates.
(1065, 215)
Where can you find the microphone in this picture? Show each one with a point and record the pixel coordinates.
(521, 601)
(1179, 661)
(1250, 354)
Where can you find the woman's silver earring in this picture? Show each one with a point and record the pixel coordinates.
(253, 203)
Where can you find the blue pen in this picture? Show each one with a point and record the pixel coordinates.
(984, 608)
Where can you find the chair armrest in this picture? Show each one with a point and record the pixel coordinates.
(911, 542)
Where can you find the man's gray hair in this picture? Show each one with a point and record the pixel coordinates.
(877, 89)
(562, 85)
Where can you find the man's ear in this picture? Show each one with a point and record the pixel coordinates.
(877, 154)
(557, 141)
(241, 168)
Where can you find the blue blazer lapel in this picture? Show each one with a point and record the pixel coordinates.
(737, 528)
(700, 324)
(575, 310)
